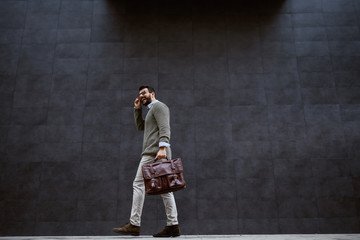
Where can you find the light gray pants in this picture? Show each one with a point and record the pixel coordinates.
(139, 198)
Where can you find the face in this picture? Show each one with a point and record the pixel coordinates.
(145, 96)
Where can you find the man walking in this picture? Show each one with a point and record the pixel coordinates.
(156, 145)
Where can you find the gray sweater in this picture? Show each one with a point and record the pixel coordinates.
(156, 127)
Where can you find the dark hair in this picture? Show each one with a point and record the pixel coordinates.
(151, 89)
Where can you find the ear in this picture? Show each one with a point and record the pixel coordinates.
(153, 95)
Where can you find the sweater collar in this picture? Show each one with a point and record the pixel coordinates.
(150, 104)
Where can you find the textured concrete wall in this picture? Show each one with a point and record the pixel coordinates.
(265, 104)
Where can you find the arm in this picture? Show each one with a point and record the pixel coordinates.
(139, 121)
(162, 116)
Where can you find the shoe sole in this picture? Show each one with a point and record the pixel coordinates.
(125, 233)
(166, 236)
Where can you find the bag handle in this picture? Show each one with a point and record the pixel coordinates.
(156, 159)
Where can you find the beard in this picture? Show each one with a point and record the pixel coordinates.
(146, 101)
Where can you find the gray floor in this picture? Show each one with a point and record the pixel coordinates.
(213, 237)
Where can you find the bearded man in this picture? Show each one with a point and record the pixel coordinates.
(156, 146)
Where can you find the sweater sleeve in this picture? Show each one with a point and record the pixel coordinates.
(162, 117)
(139, 121)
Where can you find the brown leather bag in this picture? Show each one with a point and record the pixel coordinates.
(163, 177)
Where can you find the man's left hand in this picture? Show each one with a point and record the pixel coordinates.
(161, 153)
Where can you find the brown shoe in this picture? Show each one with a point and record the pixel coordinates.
(169, 231)
(128, 229)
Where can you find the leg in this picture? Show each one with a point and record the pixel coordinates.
(133, 228)
(170, 209)
(172, 228)
(139, 193)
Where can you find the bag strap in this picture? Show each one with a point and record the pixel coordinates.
(152, 171)
(173, 169)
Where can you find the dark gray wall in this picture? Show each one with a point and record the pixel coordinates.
(265, 101)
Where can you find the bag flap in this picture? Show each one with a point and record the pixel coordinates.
(161, 168)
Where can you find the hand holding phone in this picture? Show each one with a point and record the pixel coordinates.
(137, 103)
